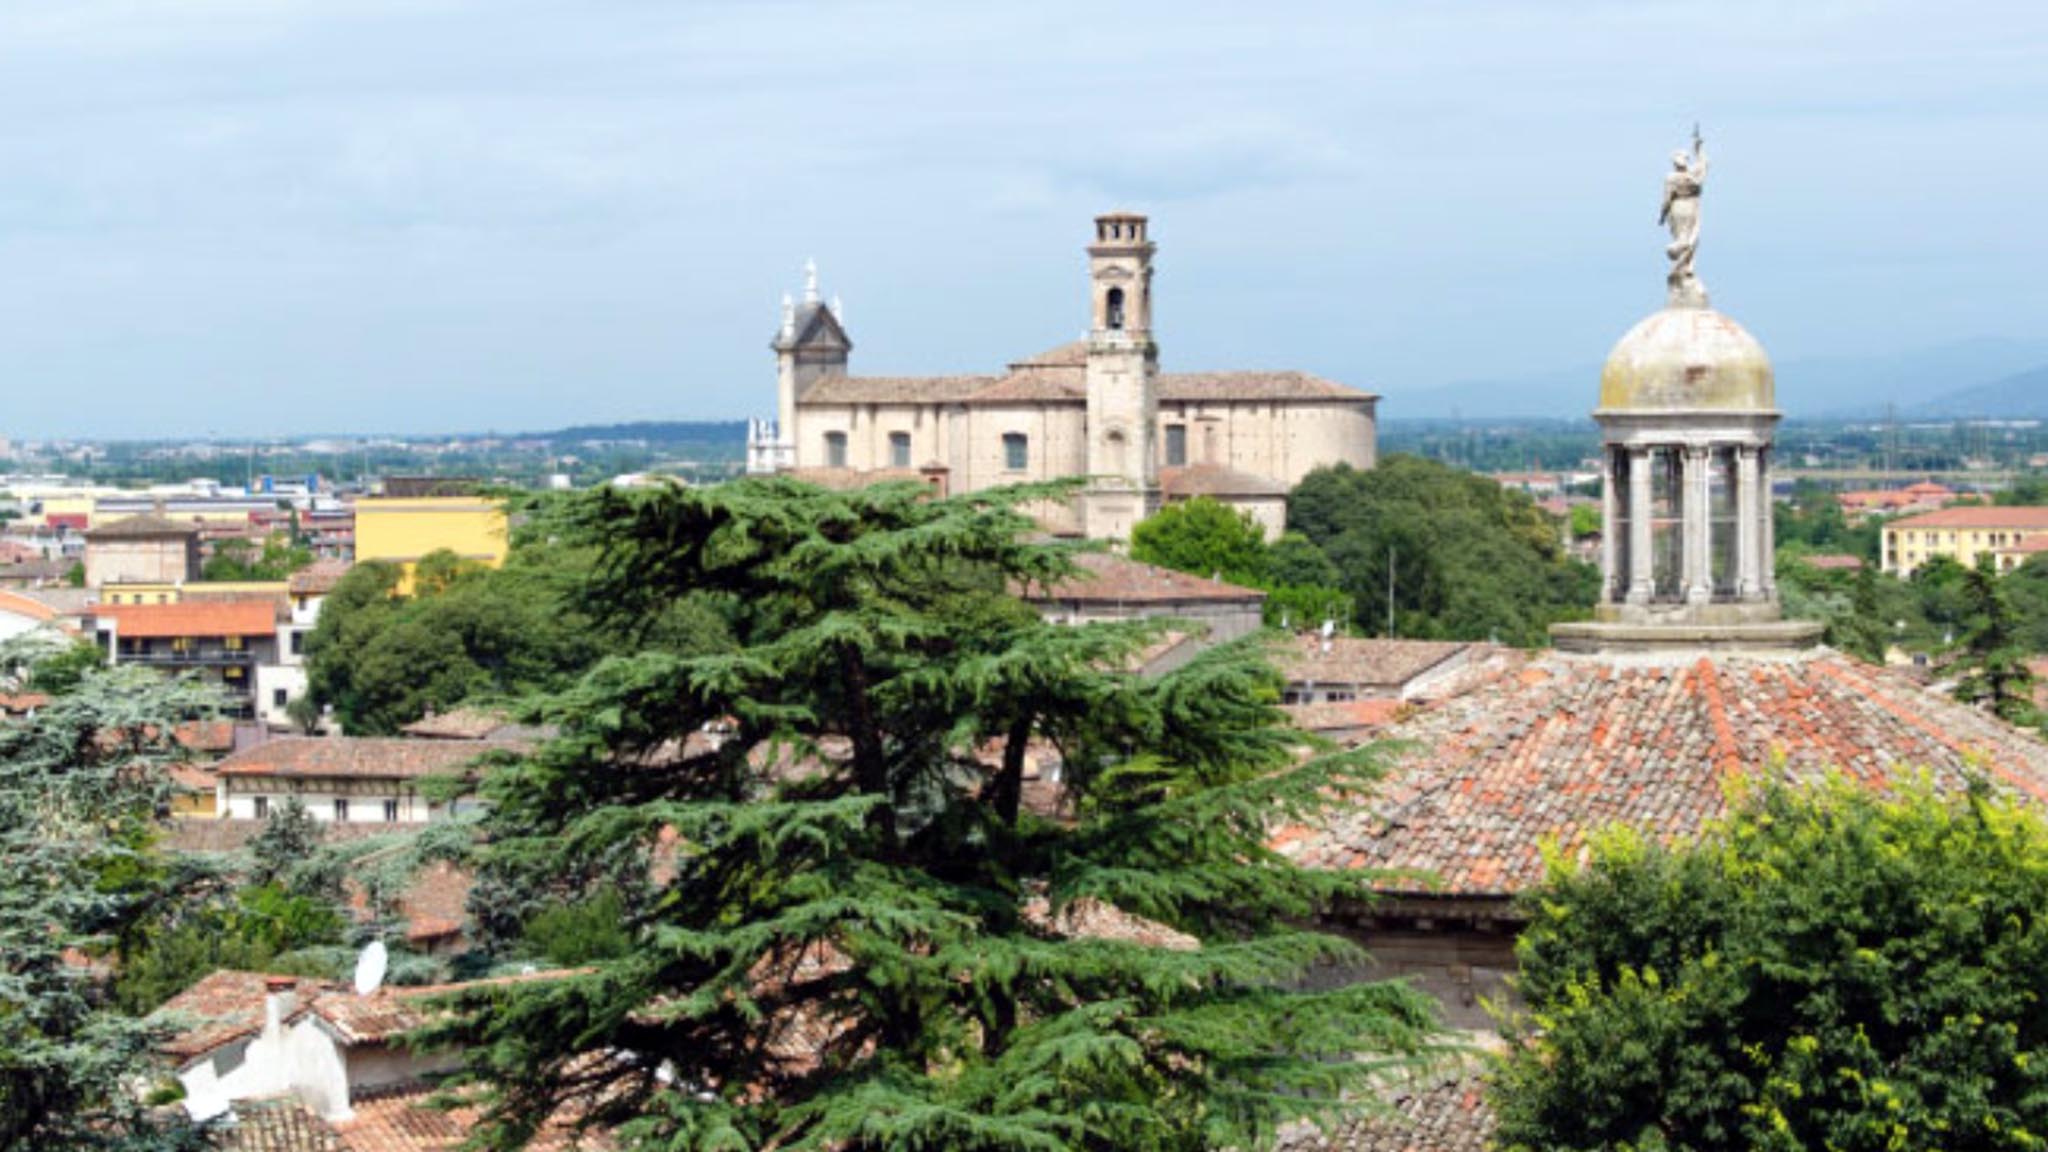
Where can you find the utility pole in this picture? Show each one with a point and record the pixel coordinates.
(1390, 591)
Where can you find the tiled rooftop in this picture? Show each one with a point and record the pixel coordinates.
(355, 757)
(144, 527)
(1216, 480)
(222, 1007)
(1569, 744)
(1444, 1114)
(317, 578)
(1978, 516)
(191, 618)
(1374, 662)
(1108, 578)
(275, 1124)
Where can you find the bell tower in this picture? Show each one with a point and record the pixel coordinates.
(1122, 376)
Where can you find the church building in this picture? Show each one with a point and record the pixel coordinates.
(1098, 409)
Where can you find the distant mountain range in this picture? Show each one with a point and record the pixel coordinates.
(1998, 379)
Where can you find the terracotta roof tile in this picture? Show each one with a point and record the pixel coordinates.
(275, 1124)
(894, 389)
(1441, 1114)
(1369, 662)
(191, 618)
(1255, 386)
(357, 757)
(221, 1007)
(142, 527)
(1108, 578)
(1571, 744)
(317, 578)
(1978, 516)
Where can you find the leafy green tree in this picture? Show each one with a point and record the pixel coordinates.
(1585, 521)
(468, 632)
(841, 862)
(82, 784)
(290, 837)
(1942, 597)
(1469, 560)
(1294, 561)
(1206, 537)
(1862, 632)
(235, 559)
(1824, 968)
(1997, 677)
(2027, 491)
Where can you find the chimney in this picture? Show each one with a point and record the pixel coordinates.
(280, 1000)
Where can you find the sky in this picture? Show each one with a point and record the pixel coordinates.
(283, 217)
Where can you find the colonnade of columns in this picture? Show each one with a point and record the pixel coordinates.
(1628, 560)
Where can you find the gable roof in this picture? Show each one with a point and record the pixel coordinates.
(1106, 578)
(1369, 661)
(1569, 744)
(355, 757)
(222, 1007)
(143, 527)
(1978, 516)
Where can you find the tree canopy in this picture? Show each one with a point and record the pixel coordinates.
(468, 632)
(1469, 560)
(83, 783)
(846, 926)
(1825, 968)
(1210, 539)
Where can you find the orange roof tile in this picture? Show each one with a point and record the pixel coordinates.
(1108, 578)
(1979, 516)
(249, 617)
(354, 757)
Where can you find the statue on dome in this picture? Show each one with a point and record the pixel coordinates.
(1681, 213)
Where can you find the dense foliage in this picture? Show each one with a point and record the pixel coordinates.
(1823, 969)
(83, 782)
(1469, 560)
(1207, 538)
(847, 928)
(276, 559)
(468, 632)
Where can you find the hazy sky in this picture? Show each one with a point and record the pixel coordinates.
(274, 216)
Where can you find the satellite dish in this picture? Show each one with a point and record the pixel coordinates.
(370, 968)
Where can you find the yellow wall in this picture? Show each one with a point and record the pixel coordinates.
(401, 530)
(1906, 549)
(139, 593)
(200, 805)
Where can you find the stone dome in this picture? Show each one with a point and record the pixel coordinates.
(1687, 359)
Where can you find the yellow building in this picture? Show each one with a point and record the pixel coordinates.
(401, 529)
(167, 593)
(1963, 534)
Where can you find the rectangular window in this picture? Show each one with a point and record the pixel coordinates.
(263, 807)
(1176, 445)
(231, 643)
(835, 449)
(391, 811)
(298, 643)
(340, 810)
(279, 697)
(1016, 451)
(899, 449)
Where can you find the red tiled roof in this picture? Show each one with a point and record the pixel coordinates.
(222, 1007)
(1570, 744)
(1388, 665)
(1216, 480)
(1109, 578)
(402, 1119)
(1979, 516)
(278, 1123)
(1443, 1114)
(1346, 715)
(1254, 386)
(20, 703)
(192, 618)
(458, 724)
(355, 757)
(317, 578)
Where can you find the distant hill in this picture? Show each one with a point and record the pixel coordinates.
(2020, 396)
(732, 432)
(1941, 381)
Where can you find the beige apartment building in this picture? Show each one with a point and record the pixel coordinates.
(1098, 408)
(2008, 535)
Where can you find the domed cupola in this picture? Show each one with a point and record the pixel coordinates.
(1688, 409)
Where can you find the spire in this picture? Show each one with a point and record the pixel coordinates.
(788, 317)
(810, 281)
(838, 310)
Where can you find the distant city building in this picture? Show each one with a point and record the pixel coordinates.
(1924, 496)
(221, 642)
(146, 549)
(2008, 535)
(419, 515)
(1098, 408)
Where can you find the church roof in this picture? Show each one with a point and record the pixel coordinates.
(1217, 480)
(1570, 744)
(1060, 375)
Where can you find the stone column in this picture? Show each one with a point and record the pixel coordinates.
(1610, 523)
(1748, 534)
(1641, 560)
(1699, 563)
(1767, 527)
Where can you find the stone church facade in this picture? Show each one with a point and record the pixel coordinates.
(1097, 408)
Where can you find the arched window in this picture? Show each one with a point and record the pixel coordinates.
(1016, 451)
(835, 449)
(1113, 310)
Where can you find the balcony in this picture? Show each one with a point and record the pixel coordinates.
(190, 657)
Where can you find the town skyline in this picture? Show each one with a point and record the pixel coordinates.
(244, 221)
